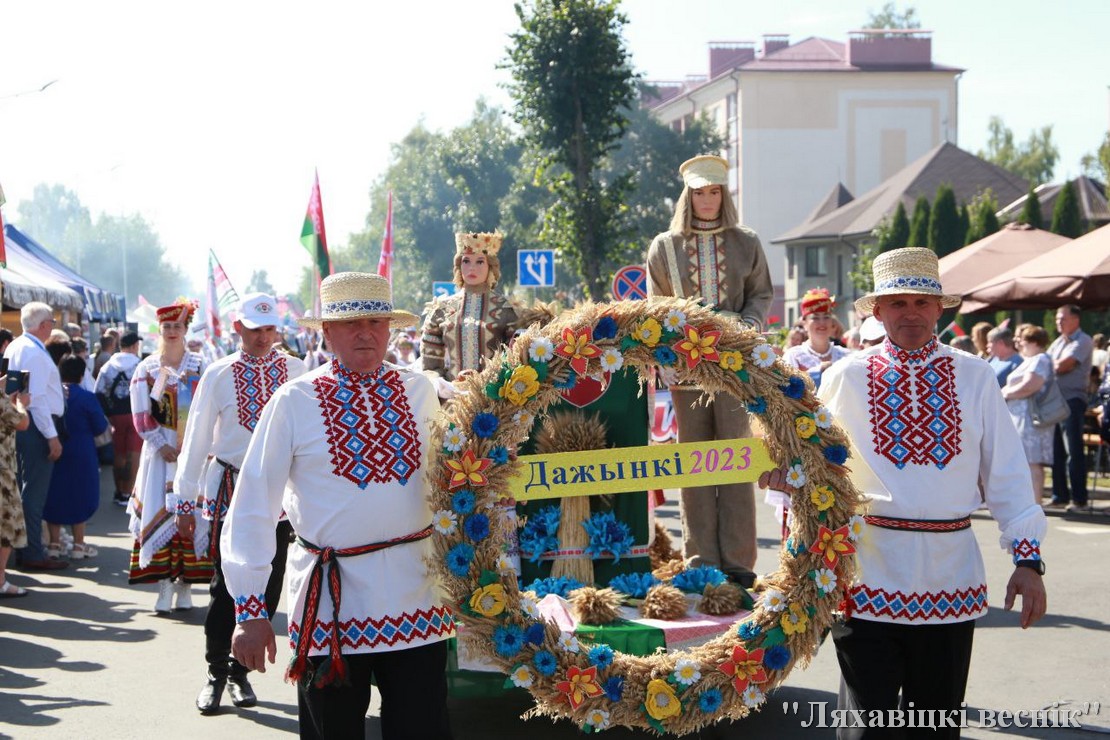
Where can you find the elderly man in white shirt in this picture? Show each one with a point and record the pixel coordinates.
(39, 446)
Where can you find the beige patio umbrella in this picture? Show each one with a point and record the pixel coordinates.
(1076, 272)
(1013, 245)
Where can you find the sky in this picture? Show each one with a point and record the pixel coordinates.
(209, 119)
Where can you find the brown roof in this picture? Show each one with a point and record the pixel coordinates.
(837, 197)
(1093, 207)
(1012, 246)
(944, 164)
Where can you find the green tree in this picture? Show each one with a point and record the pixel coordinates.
(1097, 165)
(1066, 219)
(572, 84)
(260, 283)
(1031, 211)
(964, 212)
(897, 235)
(55, 218)
(983, 216)
(919, 223)
(944, 223)
(890, 17)
(1035, 160)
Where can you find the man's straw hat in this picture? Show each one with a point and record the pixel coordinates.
(913, 270)
(357, 295)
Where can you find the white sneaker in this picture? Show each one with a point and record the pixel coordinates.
(165, 596)
(184, 593)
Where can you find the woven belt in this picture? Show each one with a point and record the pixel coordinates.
(919, 525)
(334, 669)
(223, 500)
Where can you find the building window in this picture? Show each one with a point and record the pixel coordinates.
(817, 261)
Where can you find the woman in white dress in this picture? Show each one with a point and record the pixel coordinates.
(817, 352)
(1022, 386)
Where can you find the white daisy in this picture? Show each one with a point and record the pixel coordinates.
(530, 607)
(541, 349)
(611, 360)
(454, 439)
(675, 320)
(568, 642)
(855, 527)
(687, 672)
(795, 476)
(774, 600)
(524, 419)
(763, 355)
(505, 563)
(446, 521)
(522, 676)
(597, 719)
(752, 696)
(826, 581)
(823, 417)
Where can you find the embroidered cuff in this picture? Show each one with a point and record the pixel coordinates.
(1026, 550)
(250, 607)
(185, 507)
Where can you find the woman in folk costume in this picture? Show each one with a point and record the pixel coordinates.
(707, 255)
(161, 390)
(463, 330)
(817, 353)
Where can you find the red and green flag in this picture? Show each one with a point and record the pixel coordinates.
(313, 236)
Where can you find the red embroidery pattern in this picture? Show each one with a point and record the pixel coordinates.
(1027, 550)
(251, 607)
(915, 414)
(918, 606)
(356, 633)
(371, 431)
(255, 382)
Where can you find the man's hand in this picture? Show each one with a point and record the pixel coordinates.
(253, 643)
(186, 525)
(168, 453)
(55, 449)
(1034, 600)
(776, 481)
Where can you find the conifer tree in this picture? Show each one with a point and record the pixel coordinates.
(1031, 211)
(919, 224)
(944, 223)
(1066, 220)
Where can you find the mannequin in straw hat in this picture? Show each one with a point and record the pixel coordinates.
(463, 330)
(932, 439)
(343, 450)
(707, 255)
(818, 352)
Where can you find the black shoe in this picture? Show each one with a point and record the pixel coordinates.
(120, 498)
(240, 691)
(208, 700)
(743, 578)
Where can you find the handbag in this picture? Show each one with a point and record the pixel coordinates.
(105, 451)
(1049, 406)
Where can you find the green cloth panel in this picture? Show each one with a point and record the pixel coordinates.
(624, 637)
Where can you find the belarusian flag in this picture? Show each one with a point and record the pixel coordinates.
(313, 237)
(385, 260)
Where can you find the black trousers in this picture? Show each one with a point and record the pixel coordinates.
(220, 621)
(413, 685)
(926, 664)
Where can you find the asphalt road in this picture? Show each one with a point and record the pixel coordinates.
(85, 656)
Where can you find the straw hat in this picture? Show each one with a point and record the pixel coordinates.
(913, 270)
(478, 242)
(357, 295)
(703, 171)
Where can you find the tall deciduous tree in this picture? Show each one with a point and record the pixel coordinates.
(983, 216)
(572, 85)
(1097, 165)
(1031, 211)
(944, 223)
(1035, 160)
(260, 283)
(1066, 218)
(890, 17)
(919, 223)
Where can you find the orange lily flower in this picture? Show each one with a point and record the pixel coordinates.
(744, 668)
(579, 685)
(699, 344)
(468, 469)
(578, 348)
(831, 544)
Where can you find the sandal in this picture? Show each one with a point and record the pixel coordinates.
(11, 591)
(54, 550)
(83, 550)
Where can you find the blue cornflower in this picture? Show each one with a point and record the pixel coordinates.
(545, 662)
(709, 701)
(566, 385)
(635, 585)
(463, 501)
(477, 527)
(485, 424)
(508, 639)
(534, 634)
(554, 585)
(794, 388)
(499, 455)
(606, 328)
(607, 535)
(836, 454)
(758, 406)
(614, 688)
(459, 558)
(665, 355)
(601, 655)
(694, 580)
(749, 630)
(776, 657)
(794, 547)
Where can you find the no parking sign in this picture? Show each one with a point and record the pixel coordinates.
(630, 283)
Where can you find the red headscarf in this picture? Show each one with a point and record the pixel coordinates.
(817, 300)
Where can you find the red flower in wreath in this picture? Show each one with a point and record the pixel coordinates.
(744, 668)
(699, 344)
(831, 544)
(579, 685)
(578, 348)
(467, 470)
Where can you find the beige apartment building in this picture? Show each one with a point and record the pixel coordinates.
(800, 119)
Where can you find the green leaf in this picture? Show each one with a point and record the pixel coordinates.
(628, 343)
(743, 375)
(487, 577)
(540, 368)
(493, 390)
(773, 637)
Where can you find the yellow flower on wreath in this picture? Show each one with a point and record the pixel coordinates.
(489, 601)
(795, 620)
(732, 360)
(648, 332)
(805, 426)
(521, 385)
(822, 497)
(661, 701)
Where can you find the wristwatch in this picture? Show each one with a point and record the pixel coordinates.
(1037, 565)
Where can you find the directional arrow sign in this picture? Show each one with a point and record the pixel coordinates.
(440, 289)
(536, 268)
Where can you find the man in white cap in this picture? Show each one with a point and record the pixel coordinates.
(222, 418)
(932, 440)
(709, 256)
(344, 451)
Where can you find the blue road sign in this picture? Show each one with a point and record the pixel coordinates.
(630, 283)
(439, 289)
(535, 268)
